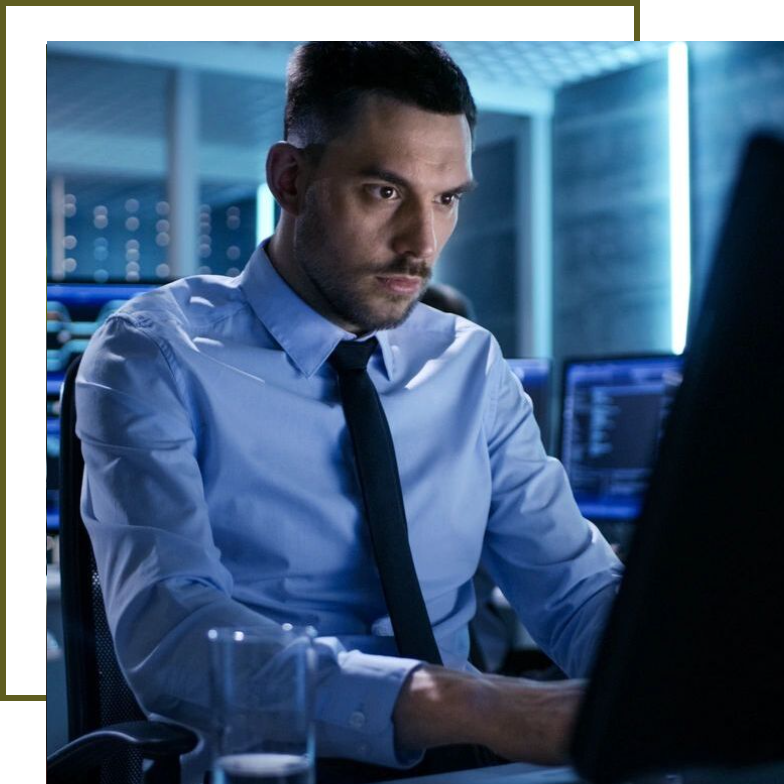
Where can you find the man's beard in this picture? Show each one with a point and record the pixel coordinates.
(318, 258)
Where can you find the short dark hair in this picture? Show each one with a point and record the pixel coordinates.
(326, 79)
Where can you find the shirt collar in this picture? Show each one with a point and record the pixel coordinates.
(305, 335)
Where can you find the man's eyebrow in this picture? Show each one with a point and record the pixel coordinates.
(402, 182)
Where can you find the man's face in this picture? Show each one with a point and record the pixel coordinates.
(380, 206)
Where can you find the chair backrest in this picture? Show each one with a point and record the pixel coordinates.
(98, 694)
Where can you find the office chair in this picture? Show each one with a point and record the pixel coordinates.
(111, 741)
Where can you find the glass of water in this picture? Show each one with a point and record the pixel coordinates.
(263, 687)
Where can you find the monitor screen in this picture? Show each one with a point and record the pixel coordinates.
(689, 672)
(73, 313)
(613, 414)
(535, 377)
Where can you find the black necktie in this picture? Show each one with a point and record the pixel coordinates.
(383, 501)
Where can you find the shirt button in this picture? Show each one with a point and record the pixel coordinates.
(362, 748)
(357, 720)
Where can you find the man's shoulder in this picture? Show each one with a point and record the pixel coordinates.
(452, 342)
(191, 303)
(430, 325)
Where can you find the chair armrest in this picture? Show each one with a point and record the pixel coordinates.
(153, 739)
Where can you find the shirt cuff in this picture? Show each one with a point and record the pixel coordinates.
(355, 699)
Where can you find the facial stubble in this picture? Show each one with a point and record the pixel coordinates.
(318, 258)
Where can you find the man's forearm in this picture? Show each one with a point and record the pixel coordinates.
(434, 708)
(516, 718)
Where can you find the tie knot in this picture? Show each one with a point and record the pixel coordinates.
(352, 354)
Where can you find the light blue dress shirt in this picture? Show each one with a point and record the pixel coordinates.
(219, 490)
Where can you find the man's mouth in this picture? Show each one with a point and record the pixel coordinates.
(400, 284)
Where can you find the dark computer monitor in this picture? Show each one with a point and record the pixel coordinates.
(613, 411)
(534, 374)
(73, 312)
(690, 671)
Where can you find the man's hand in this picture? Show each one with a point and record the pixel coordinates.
(531, 721)
(518, 719)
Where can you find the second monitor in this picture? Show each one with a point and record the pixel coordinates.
(613, 413)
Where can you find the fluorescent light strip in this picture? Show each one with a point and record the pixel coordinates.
(680, 219)
(265, 213)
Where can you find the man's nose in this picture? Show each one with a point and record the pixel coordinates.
(416, 234)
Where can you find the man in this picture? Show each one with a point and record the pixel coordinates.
(220, 484)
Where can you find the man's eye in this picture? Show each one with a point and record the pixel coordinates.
(448, 199)
(384, 192)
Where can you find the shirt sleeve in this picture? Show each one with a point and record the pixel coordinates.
(163, 581)
(554, 567)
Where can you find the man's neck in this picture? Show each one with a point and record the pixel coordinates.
(280, 251)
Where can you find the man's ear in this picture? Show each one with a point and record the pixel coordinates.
(287, 173)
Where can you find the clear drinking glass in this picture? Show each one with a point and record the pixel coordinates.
(263, 689)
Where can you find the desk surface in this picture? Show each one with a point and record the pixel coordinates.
(516, 773)
(520, 773)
